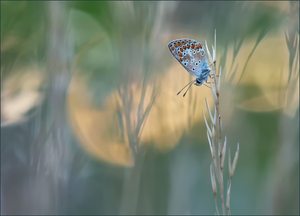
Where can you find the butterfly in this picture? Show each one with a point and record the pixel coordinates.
(191, 55)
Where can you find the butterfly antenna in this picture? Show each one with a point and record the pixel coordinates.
(185, 86)
(187, 89)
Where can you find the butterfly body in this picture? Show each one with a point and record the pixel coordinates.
(191, 55)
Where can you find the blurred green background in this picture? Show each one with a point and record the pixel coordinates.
(90, 120)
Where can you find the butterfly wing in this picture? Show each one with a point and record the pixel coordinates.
(190, 54)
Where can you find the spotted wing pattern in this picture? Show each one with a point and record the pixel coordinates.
(190, 54)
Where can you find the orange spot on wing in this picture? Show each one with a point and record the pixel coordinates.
(199, 46)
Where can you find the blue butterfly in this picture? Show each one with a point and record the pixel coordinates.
(191, 55)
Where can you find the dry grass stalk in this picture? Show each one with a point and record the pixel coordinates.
(218, 142)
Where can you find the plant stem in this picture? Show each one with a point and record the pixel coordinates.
(219, 139)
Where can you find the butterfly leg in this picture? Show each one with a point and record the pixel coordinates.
(214, 62)
(211, 76)
(207, 85)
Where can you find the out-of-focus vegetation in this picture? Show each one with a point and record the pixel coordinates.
(90, 120)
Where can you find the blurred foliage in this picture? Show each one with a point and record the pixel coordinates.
(22, 36)
(120, 44)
